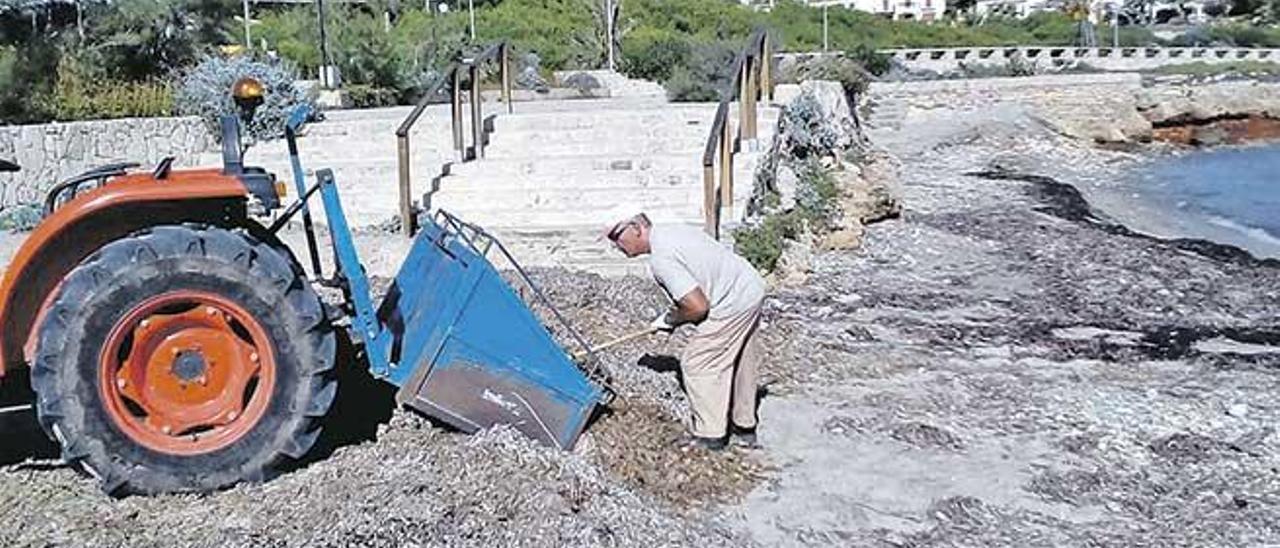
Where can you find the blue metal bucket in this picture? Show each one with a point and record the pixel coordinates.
(476, 356)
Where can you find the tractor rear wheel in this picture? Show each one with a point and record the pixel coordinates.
(184, 359)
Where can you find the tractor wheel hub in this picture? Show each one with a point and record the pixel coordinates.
(189, 366)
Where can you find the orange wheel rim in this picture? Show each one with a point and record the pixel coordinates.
(187, 372)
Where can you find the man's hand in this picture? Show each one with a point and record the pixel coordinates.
(663, 323)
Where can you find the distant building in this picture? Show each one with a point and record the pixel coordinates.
(1013, 8)
(920, 10)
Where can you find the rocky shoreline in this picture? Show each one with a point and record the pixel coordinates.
(1005, 366)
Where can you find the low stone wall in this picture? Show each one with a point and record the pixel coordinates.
(944, 60)
(52, 152)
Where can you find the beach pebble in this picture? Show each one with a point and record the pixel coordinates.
(1238, 410)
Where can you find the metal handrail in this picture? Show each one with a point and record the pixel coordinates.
(751, 81)
(498, 52)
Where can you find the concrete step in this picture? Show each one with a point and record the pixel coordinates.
(618, 121)
(593, 163)
(613, 182)
(590, 208)
(691, 145)
(600, 104)
(539, 206)
(387, 127)
(418, 163)
(522, 139)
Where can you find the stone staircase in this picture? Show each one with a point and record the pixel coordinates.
(360, 147)
(552, 171)
(884, 112)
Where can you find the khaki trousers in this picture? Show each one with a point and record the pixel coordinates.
(721, 365)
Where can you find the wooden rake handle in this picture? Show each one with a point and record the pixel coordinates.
(615, 342)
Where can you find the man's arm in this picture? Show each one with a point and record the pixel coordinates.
(691, 308)
(691, 305)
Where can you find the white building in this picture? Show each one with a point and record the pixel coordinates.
(921, 10)
(1012, 8)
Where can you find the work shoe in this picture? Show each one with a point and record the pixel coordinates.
(744, 437)
(690, 441)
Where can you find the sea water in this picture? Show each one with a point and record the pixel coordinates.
(1233, 192)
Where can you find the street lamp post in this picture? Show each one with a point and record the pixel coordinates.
(825, 43)
(471, 7)
(1115, 27)
(608, 25)
(248, 44)
(326, 74)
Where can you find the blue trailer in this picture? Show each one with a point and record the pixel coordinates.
(450, 333)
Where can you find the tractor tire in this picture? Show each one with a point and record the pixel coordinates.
(184, 359)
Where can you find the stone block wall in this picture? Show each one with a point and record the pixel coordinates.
(52, 152)
(944, 60)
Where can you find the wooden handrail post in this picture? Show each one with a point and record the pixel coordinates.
(749, 100)
(505, 67)
(726, 174)
(477, 123)
(406, 204)
(743, 90)
(709, 201)
(456, 97)
(766, 62)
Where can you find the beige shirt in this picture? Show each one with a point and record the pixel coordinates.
(683, 258)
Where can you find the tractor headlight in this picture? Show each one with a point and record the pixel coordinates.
(249, 94)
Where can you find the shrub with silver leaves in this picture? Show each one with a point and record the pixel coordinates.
(206, 92)
(807, 130)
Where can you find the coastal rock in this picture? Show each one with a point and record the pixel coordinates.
(1175, 104)
(795, 265)
(818, 122)
(844, 239)
(865, 196)
(835, 109)
(1225, 131)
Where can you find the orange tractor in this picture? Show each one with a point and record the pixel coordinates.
(174, 343)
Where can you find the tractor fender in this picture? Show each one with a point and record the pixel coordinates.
(83, 225)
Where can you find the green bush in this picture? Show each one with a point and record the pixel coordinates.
(762, 244)
(652, 54)
(12, 100)
(851, 74)
(816, 193)
(873, 61)
(1246, 36)
(26, 76)
(365, 96)
(77, 99)
(707, 76)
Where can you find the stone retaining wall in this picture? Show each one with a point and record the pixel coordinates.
(944, 60)
(52, 152)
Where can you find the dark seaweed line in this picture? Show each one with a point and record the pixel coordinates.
(1066, 202)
